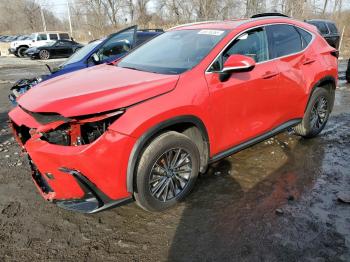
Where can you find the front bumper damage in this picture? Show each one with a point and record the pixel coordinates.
(84, 178)
(94, 200)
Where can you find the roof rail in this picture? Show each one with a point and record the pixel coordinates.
(195, 23)
(268, 14)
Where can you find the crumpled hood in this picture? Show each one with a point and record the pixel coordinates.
(95, 90)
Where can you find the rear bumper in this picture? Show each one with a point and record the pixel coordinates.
(87, 178)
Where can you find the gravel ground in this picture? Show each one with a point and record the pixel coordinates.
(276, 201)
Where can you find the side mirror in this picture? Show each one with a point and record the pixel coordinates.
(236, 63)
(95, 58)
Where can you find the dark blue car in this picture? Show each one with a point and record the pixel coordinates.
(97, 52)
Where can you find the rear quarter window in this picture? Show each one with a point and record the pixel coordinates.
(306, 37)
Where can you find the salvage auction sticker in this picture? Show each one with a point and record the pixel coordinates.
(210, 32)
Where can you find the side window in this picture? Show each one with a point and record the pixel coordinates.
(332, 28)
(64, 36)
(42, 37)
(117, 45)
(284, 40)
(252, 43)
(306, 37)
(53, 36)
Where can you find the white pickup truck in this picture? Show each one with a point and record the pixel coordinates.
(35, 40)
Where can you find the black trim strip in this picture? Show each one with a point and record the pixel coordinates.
(94, 200)
(255, 140)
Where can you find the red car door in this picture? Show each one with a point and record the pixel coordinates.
(296, 62)
(244, 106)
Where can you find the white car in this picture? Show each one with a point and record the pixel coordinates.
(35, 40)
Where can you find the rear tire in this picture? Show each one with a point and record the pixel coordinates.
(167, 171)
(44, 54)
(316, 114)
(20, 51)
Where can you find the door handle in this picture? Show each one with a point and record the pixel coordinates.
(269, 74)
(308, 61)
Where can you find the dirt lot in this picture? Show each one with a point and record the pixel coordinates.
(276, 201)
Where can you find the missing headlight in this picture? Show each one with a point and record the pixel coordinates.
(59, 136)
(93, 130)
(81, 132)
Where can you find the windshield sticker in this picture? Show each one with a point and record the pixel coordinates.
(210, 32)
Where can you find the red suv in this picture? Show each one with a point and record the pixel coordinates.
(143, 127)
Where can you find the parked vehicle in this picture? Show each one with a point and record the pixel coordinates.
(97, 52)
(143, 127)
(59, 48)
(19, 47)
(328, 30)
(8, 38)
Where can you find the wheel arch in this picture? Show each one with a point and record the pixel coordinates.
(18, 47)
(187, 124)
(328, 82)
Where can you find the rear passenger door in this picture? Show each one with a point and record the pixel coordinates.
(64, 48)
(297, 65)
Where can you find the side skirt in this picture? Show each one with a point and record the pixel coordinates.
(255, 140)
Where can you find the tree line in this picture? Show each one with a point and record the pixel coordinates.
(95, 18)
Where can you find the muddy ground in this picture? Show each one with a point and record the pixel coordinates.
(276, 201)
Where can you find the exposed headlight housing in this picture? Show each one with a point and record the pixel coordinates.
(80, 131)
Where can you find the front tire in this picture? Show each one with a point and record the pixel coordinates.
(167, 171)
(316, 114)
(20, 51)
(44, 54)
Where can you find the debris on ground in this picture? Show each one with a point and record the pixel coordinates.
(279, 211)
(343, 197)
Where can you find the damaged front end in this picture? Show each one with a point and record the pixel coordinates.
(60, 130)
(64, 158)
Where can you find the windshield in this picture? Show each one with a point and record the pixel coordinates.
(81, 53)
(173, 52)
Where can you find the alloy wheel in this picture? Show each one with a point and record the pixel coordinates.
(319, 113)
(44, 54)
(170, 174)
